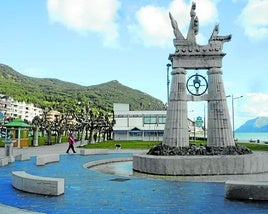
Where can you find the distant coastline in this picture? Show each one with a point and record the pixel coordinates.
(247, 136)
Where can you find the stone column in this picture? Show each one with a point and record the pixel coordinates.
(219, 125)
(176, 128)
(9, 150)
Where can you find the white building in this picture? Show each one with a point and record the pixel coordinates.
(143, 125)
(138, 125)
(15, 109)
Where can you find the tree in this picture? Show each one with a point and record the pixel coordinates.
(36, 124)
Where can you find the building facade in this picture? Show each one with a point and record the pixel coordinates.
(11, 108)
(138, 125)
(146, 125)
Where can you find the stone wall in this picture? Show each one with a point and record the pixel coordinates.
(201, 165)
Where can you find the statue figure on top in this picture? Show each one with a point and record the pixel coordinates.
(180, 41)
(177, 33)
(193, 28)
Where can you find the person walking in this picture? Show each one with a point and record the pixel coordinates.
(71, 141)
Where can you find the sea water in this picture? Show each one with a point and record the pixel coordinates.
(247, 136)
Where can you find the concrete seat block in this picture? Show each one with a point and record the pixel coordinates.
(22, 157)
(242, 190)
(37, 184)
(93, 151)
(44, 159)
(4, 161)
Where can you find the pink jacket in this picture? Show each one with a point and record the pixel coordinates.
(71, 139)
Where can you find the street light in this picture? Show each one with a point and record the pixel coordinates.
(233, 98)
(204, 121)
(194, 124)
(168, 65)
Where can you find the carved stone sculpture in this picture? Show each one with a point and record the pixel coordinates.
(190, 55)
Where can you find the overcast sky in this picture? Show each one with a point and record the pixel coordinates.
(89, 42)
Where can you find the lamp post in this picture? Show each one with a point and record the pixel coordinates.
(204, 122)
(168, 65)
(194, 124)
(233, 98)
(194, 131)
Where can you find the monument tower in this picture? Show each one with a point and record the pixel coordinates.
(221, 157)
(190, 55)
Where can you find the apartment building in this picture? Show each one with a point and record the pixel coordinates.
(14, 109)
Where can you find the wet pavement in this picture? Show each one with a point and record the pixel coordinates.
(88, 191)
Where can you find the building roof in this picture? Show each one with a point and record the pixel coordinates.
(17, 123)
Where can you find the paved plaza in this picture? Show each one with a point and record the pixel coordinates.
(88, 191)
(43, 150)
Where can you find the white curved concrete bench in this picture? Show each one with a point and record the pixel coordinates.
(22, 157)
(4, 161)
(37, 184)
(44, 159)
(93, 151)
(243, 190)
(106, 161)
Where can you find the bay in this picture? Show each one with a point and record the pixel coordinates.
(247, 136)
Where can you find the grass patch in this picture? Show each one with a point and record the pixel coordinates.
(124, 145)
(129, 144)
(255, 146)
(138, 144)
(150, 144)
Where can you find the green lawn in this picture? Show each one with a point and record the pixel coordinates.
(141, 144)
(148, 145)
(124, 145)
(255, 146)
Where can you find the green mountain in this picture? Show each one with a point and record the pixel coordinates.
(53, 93)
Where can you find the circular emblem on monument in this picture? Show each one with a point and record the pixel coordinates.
(197, 85)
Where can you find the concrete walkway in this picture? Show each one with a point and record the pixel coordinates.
(31, 151)
(41, 150)
(58, 149)
(88, 191)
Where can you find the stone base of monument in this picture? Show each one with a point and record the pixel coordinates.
(248, 164)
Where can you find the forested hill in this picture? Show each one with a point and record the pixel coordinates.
(48, 92)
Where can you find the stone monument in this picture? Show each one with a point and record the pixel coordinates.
(190, 55)
(221, 156)
(9, 147)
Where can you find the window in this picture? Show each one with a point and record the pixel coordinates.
(120, 132)
(154, 119)
(150, 119)
(162, 119)
(135, 134)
